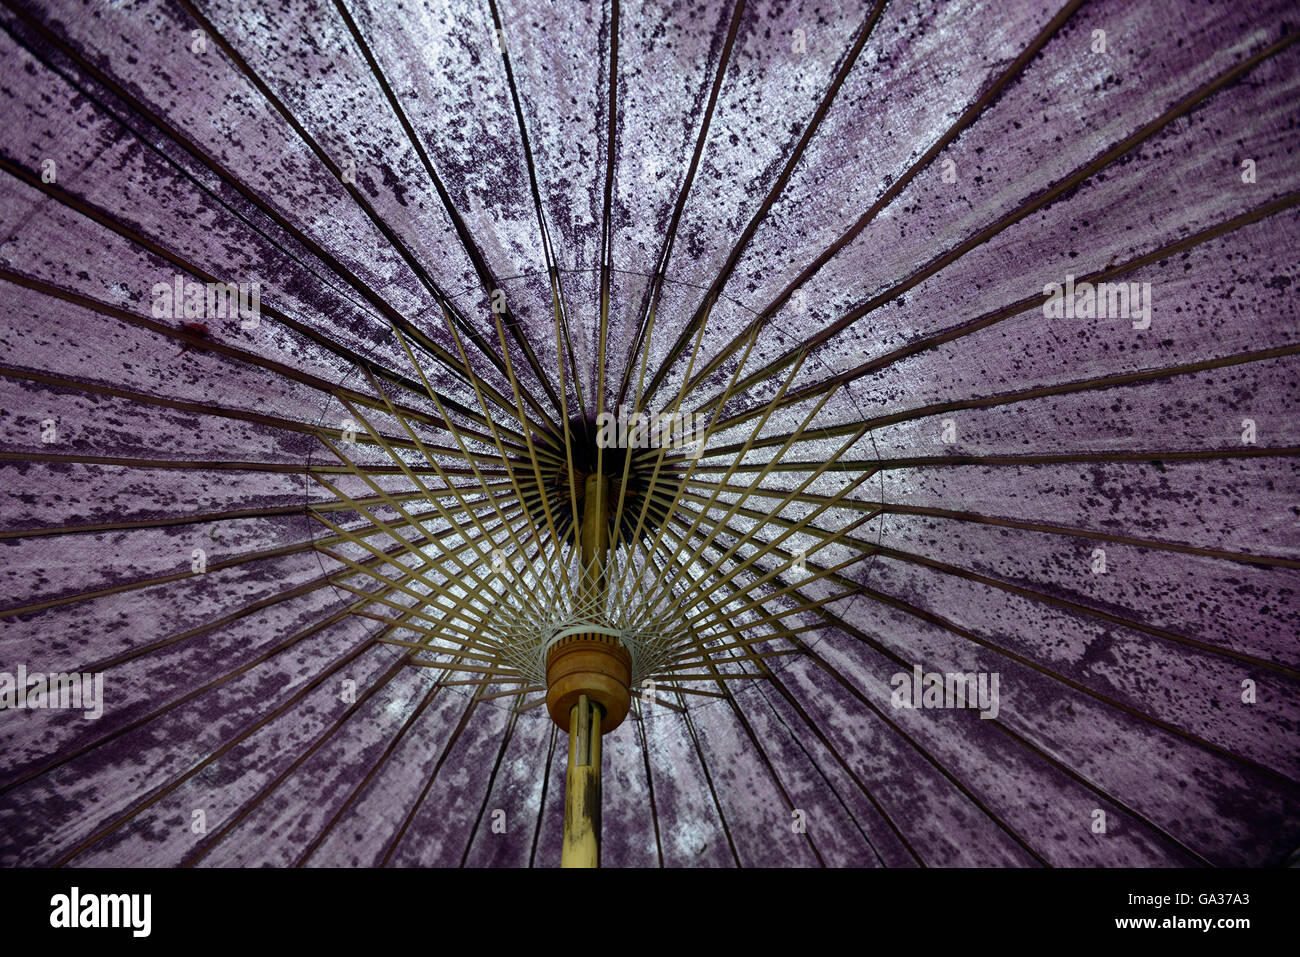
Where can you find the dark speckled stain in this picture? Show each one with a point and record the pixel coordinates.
(1099, 650)
(395, 184)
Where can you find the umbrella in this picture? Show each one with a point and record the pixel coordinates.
(515, 433)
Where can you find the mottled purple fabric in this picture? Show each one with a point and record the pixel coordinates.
(1101, 510)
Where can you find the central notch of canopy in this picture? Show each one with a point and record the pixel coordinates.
(643, 468)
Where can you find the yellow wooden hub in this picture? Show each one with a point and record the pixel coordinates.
(593, 664)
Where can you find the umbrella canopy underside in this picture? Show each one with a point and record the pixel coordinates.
(828, 230)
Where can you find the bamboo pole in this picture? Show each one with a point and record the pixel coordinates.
(581, 847)
(595, 536)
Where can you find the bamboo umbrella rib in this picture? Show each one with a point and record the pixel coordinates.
(772, 546)
(420, 599)
(419, 802)
(771, 407)
(806, 521)
(460, 442)
(461, 651)
(697, 641)
(548, 249)
(652, 548)
(1037, 201)
(471, 669)
(391, 561)
(809, 498)
(770, 465)
(756, 743)
(532, 457)
(750, 647)
(546, 783)
(497, 659)
(139, 108)
(665, 703)
(762, 476)
(532, 597)
(651, 299)
(682, 689)
(567, 464)
(1096, 383)
(500, 492)
(479, 582)
(659, 460)
(234, 742)
(702, 646)
(488, 682)
(679, 676)
(716, 607)
(532, 453)
(365, 529)
(891, 192)
(607, 221)
(510, 691)
(193, 518)
(778, 187)
(1099, 534)
(470, 594)
(767, 619)
(409, 610)
(358, 197)
(358, 540)
(807, 528)
(680, 669)
(483, 270)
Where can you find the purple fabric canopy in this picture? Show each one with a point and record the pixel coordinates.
(1002, 291)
